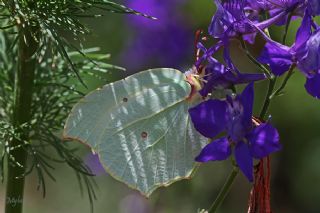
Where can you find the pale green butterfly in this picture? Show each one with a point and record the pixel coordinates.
(140, 128)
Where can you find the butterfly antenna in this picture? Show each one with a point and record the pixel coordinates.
(197, 38)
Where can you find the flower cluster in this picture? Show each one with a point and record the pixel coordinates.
(243, 20)
(304, 53)
(234, 115)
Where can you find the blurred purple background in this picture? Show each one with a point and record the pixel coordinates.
(165, 42)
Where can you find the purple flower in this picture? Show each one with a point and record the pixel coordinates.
(219, 76)
(234, 116)
(294, 8)
(258, 5)
(305, 53)
(231, 20)
(236, 18)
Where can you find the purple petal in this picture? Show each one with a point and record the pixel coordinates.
(312, 86)
(230, 78)
(314, 7)
(304, 31)
(235, 8)
(219, 76)
(220, 21)
(277, 56)
(287, 6)
(209, 117)
(264, 140)
(259, 4)
(216, 150)
(239, 114)
(226, 54)
(214, 77)
(244, 159)
(277, 18)
(309, 56)
(246, 99)
(250, 38)
(235, 123)
(207, 53)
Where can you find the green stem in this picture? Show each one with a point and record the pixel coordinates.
(285, 34)
(272, 81)
(267, 101)
(284, 83)
(265, 16)
(271, 94)
(24, 82)
(253, 59)
(224, 191)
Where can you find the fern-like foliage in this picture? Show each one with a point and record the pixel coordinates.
(56, 30)
(56, 20)
(56, 91)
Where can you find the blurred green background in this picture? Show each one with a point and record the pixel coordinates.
(295, 170)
